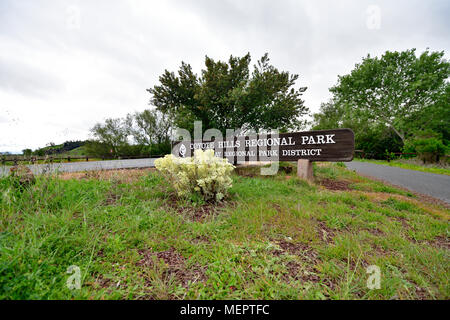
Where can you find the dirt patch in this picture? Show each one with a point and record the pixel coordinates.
(441, 242)
(326, 233)
(307, 271)
(105, 283)
(299, 249)
(421, 293)
(117, 175)
(201, 239)
(297, 272)
(376, 232)
(101, 253)
(197, 212)
(336, 185)
(404, 222)
(102, 282)
(277, 207)
(380, 251)
(354, 262)
(111, 199)
(176, 266)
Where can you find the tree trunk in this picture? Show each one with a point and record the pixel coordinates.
(400, 134)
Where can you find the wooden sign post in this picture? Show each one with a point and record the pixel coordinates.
(305, 169)
(303, 147)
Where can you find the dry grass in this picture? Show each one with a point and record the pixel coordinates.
(430, 208)
(120, 175)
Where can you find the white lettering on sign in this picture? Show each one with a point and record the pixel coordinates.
(301, 152)
(330, 138)
(249, 153)
(268, 153)
(326, 145)
(266, 142)
(319, 139)
(270, 142)
(202, 145)
(228, 144)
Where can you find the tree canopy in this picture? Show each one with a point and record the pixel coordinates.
(149, 130)
(150, 126)
(226, 95)
(113, 133)
(399, 90)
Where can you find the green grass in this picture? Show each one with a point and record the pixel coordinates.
(410, 166)
(274, 238)
(80, 151)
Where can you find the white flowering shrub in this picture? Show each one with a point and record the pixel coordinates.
(204, 174)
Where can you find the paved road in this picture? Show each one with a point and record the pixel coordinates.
(435, 185)
(87, 166)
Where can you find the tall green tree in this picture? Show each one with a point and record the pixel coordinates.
(227, 95)
(370, 135)
(434, 117)
(397, 88)
(113, 133)
(150, 126)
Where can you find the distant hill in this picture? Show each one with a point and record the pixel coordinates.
(80, 151)
(70, 147)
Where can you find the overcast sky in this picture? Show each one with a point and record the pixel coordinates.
(65, 65)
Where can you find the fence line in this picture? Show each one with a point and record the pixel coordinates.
(364, 153)
(33, 159)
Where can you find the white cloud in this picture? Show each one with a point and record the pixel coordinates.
(68, 64)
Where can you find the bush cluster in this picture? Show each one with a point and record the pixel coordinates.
(99, 149)
(203, 174)
(429, 149)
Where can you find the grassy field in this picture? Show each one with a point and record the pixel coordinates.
(80, 151)
(407, 165)
(275, 237)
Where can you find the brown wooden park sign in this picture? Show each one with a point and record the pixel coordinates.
(304, 147)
